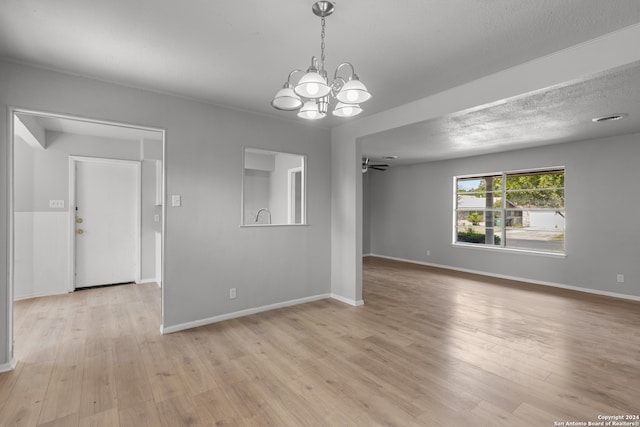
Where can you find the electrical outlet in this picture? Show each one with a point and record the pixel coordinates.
(156, 218)
(620, 278)
(232, 293)
(56, 203)
(428, 253)
(176, 200)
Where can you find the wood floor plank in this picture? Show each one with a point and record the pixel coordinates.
(429, 348)
(64, 390)
(189, 365)
(108, 418)
(217, 406)
(131, 381)
(162, 376)
(70, 420)
(143, 414)
(24, 403)
(7, 381)
(98, 385)
(181, 411)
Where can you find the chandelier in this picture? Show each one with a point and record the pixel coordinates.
(312, 93)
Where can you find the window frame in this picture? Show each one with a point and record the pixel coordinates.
(503, 210)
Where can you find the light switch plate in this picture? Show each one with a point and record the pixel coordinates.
(176, 200)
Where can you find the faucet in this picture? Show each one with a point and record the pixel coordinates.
(263, 210)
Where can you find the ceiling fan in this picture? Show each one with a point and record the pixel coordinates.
(366, 165)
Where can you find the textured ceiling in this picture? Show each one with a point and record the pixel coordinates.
(238, 53)
(557, 114)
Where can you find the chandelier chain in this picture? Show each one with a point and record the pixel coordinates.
(322, 45)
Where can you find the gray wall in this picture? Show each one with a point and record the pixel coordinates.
(256, 195)
(411, 212)
(206, 252)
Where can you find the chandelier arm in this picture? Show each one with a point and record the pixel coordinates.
(353, 70)
(297, 70)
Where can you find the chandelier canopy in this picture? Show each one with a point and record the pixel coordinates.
(312, 93)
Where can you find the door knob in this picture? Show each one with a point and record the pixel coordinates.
(79, 220)
(79, 231)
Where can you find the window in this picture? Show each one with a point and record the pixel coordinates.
(513, 210)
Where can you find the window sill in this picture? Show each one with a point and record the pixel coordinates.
(509, 250)
(272, 225)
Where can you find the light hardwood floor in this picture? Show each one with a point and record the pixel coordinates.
(430, 347)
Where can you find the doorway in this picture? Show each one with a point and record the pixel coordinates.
(43, 216)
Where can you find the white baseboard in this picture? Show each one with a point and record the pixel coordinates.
(149, 280)
(6, 367)
(347, 300)
(39, 294)
(241, 313)
(519, 279)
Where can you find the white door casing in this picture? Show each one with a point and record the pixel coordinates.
(105, 197)
(70, 264)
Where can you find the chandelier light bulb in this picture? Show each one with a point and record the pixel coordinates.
(312, 85)
(312, 88)
(353, 92)
(346, 110)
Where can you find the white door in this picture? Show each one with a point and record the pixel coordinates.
(106, 221)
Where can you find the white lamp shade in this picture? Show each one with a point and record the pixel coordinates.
(310, 111)
(346, 110)
(353, 92)
(312, 85)
(286, 99)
